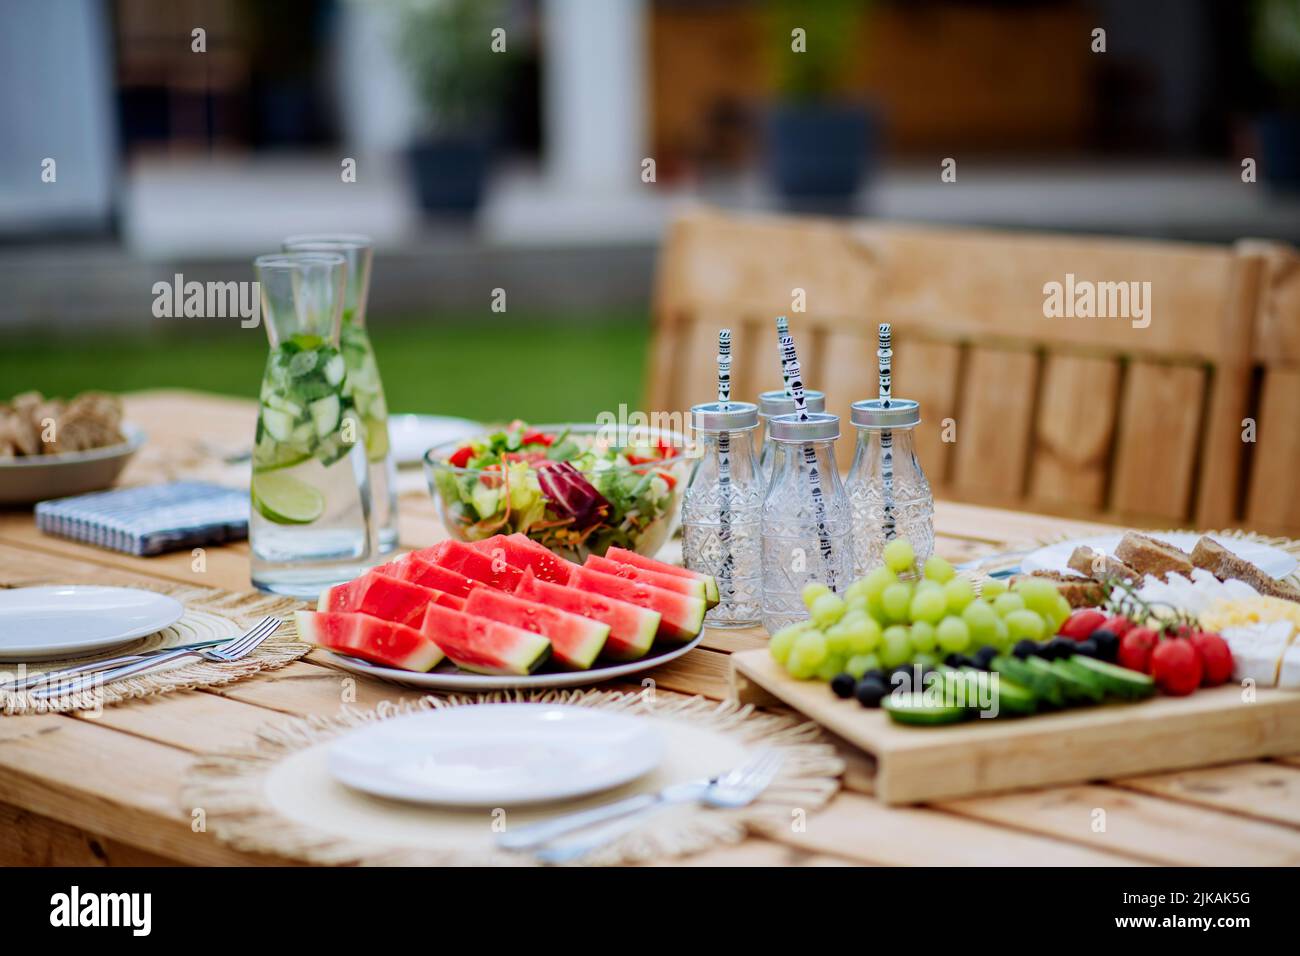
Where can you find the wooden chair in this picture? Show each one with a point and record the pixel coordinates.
(1088, 417)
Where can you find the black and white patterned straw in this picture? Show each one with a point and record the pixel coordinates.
(885, 358)
(790, 365)
(782, 331)
(726, 585)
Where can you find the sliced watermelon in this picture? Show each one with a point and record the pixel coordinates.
(575, 640)
(425, 573)
(631, 629)
(682, 616)
(494, 572)
(379, 595)
(669, 582)
(487, 647)
(359, 635)
(624, 556)
(523, 552)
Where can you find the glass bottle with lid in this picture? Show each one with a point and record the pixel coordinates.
(722, 511)
(806, 519)
(770, 405)
(888, 492)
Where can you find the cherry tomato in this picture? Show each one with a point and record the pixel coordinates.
(1135, 649)
(1176, 666)
(1082, 623)
(1216, 658)
(1118, 624)
(461, 456)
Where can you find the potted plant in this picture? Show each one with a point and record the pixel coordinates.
(1276, 46)
(819, 142)
(458, 79)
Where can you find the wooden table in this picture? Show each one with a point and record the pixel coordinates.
(83, 790)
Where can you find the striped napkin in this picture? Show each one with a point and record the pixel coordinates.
(149, 520)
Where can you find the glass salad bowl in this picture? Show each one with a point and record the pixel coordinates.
(575, 488)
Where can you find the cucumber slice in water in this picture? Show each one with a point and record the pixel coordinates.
(284, 499)
(334, 370)
(278, 424)
(325, 414)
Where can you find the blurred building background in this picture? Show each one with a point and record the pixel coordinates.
(540, 146)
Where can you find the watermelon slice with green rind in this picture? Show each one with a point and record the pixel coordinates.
(379, 595)
(669, 582)
(632, 629)
(681, 616)
(486, 647)
(372, 639)
(624, 556)
(524, 553)
(421, 571)
(575, 640)
(460, 557)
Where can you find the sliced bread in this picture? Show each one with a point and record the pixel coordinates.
(1080, 592)
(1223, 564)
(1146, 555)
(1099, 565)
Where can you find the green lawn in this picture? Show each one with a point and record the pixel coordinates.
(488, 367)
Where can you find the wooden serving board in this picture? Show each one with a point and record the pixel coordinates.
(915, 764)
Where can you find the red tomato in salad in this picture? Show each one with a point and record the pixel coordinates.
(669, 479)
(460, 457)
(639, 459)
(537, 438)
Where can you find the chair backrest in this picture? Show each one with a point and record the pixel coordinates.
(1138, 418)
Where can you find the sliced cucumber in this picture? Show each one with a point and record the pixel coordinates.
(485, 500)
(335, 369)
(1080, 685)
(1050, 684)
(279, 424)
(280, 403)
(1012, 697)
(325, 414)
(1117, 680)
(914, 709)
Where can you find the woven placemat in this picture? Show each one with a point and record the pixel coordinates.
(209, 613)
(278, 796)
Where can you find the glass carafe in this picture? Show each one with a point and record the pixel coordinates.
(309, 521)
(806, 518)
(364, 384)
(722, 511)
(887, 489)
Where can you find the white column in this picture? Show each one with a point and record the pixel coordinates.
(594, 64)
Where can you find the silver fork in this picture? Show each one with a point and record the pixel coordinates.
(738, 788)
(108, 663)
(233, 650)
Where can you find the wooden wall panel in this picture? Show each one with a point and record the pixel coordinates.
(928, 372)
(1273, 503)
(994, 424)
(1155, 457)
(1074, 428)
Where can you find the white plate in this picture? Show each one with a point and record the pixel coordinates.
(62, 621)
(1266, 557)
(448, 677)
(496, 754)
(412, 435)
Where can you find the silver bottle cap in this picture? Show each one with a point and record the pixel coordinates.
(716, 417)
(872, 413)
(777, 402)
(819, 426)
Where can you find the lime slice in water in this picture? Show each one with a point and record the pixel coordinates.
(285, 499)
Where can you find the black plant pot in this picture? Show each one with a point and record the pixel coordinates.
(820, 151)
(1279, 146)
(449, 172)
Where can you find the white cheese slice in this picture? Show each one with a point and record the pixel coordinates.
(1257, 651)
